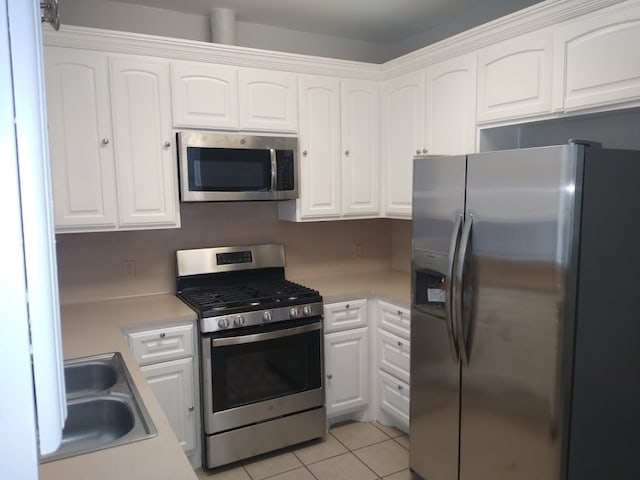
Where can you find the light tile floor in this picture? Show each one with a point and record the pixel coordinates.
(351, 451)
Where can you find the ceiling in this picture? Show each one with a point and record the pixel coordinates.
(368, 20)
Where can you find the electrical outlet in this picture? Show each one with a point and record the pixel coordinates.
(129, 269)
(357, 251)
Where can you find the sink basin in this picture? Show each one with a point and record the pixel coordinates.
(104, 409)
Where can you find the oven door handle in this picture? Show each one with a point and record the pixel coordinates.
(260, 337)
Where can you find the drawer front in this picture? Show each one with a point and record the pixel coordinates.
(393, 395)
(162, 344)
(393, 355)
(394, 319)
(345, 315)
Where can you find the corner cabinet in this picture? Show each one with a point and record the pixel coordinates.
(595, 62)
(514, 77)
(346, 356)
(167, 360)
(110, 137)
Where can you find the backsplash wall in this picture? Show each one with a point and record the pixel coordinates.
(90, 265)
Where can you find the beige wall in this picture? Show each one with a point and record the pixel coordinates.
(90, 264)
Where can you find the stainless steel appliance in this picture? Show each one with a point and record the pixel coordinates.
(525, 331)
(222, 167)
(261, 340)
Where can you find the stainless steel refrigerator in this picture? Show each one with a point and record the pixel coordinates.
(525, 317)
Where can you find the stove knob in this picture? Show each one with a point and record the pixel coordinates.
(238, 321)
(223, 323)
(294, 312)
(307, 310)
(266, 316)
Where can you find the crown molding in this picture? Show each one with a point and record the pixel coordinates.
(536, 17)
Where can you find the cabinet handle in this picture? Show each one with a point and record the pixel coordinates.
(399, 344)
(346, 153)
(105, 141)
(400, 387)
(399, 313)
(417, 151)
(346, 307)
(167, 144)
(191, 409)
(329, 376)
(304, 153)
(424, 150)
(162, 335)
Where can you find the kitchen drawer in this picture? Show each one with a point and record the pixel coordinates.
(345, 315)
(394, 319)
(162, 344)
(393, 355)
(393, 395)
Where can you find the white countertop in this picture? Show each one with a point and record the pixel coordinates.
(96, 327)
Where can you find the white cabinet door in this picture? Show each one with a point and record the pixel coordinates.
(514, 77)
(394, 398)
(146, 170)
(268, 100)
(346, 371)
(403, 120)
(345, 315)
(595, 59)
(394, 319)
(394, 355)
(204, 95)
(172, 384)
(360, 148)
(320, 159)
(80, 139)
(451, 106)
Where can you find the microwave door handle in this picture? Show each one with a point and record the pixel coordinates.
(274, 169)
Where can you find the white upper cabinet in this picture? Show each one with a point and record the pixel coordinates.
(514, 77)
(80, 139)
(403, 137)
(595, 59)
(450, 93)
(145, 162)
(268, 100)
(360, 148)
(319, 145)
(204, 95)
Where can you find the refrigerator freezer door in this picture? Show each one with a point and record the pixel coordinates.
(438, 206)
(511, 414)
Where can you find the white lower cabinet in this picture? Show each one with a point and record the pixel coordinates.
(346, 371)
(393, 398)
(166, 356)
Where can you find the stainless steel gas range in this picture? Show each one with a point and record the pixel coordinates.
(261, 358)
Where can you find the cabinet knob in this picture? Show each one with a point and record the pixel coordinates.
(399, 344)
(399, 313)
(105, 141)
(167, 144)
(424, 150)
(346, 153)
(347, 306)
(162, 335)
(417, 151)
(304, 153)
(329, 376)
(191, 409)
(400, 387)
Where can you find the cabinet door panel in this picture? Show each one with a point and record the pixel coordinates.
(162, 344)
(172, 384)
(345, 315)
(346, 371)
(80, 139)
(394, 319)
(360, 147)
(268, 100)
(393, 355)
(394, 397)
(320, 172)
(147, 187)
(514, 77)
(204, 95)
(593, 61)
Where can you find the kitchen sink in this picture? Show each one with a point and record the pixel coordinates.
(104, 409)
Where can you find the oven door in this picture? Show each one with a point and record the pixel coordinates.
(253, 375)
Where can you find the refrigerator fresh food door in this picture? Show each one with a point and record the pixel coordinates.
(519, 220)
(438, 209)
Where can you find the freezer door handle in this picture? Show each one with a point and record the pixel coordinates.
(449, 289)
(458, 290)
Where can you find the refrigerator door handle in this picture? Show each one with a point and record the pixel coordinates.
(458, 290)
(449, 290)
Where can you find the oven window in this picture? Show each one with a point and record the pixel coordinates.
(253, 372)
(229, 169)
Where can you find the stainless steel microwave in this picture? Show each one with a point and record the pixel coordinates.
(223, 167)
